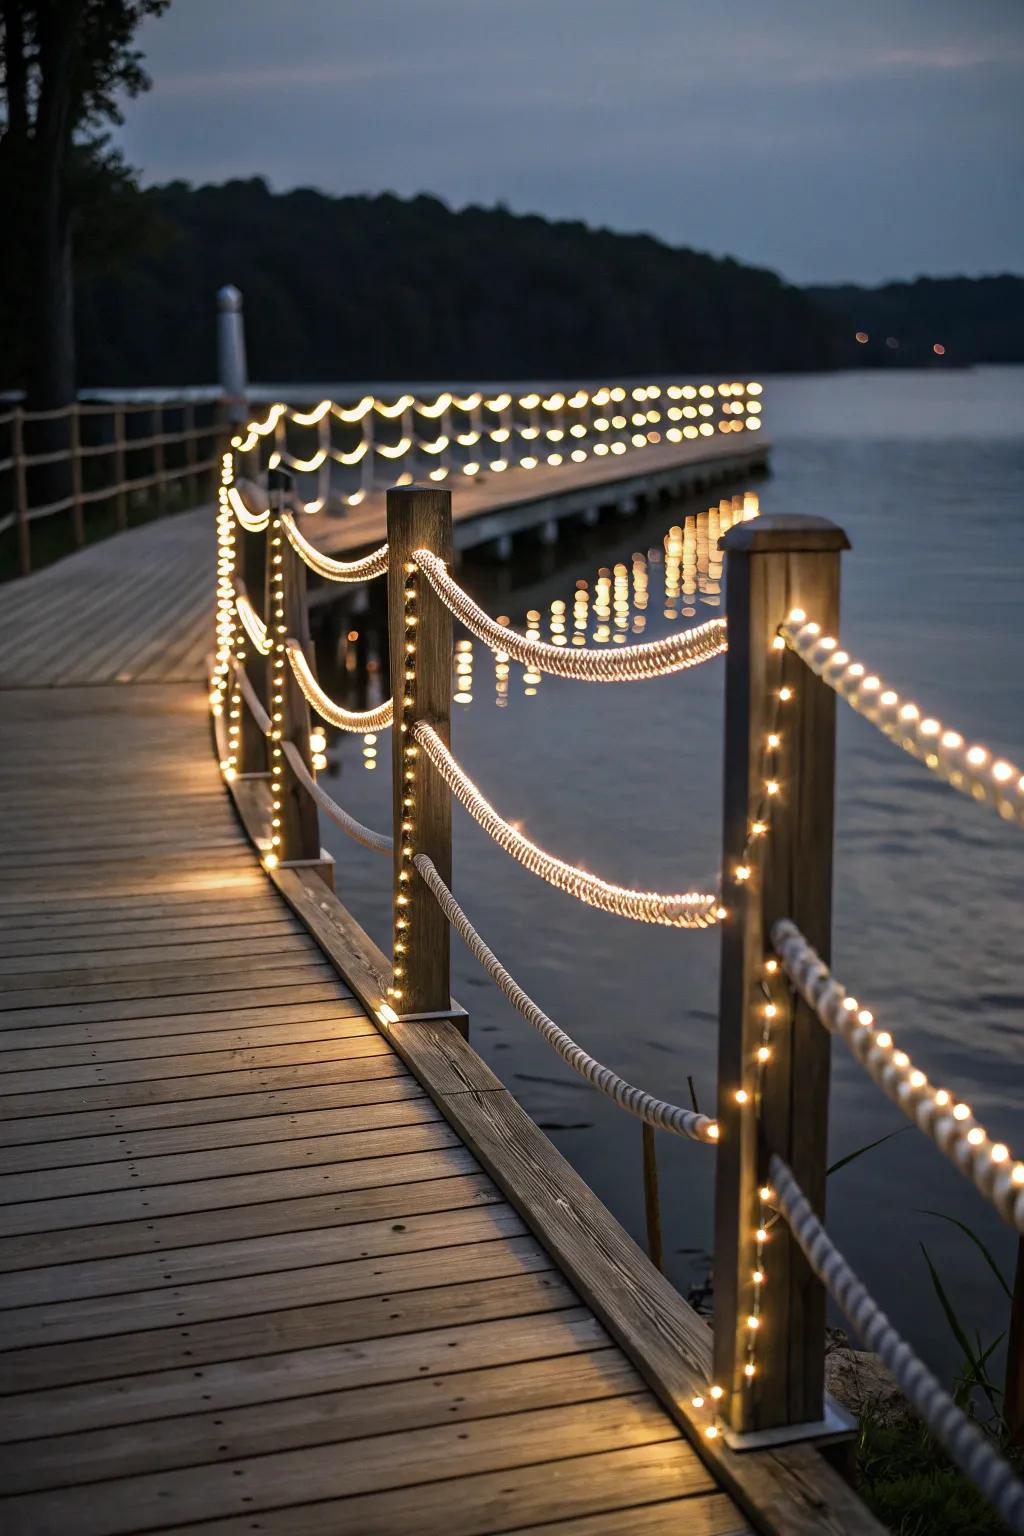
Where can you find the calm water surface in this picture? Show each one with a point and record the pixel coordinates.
(925, 471)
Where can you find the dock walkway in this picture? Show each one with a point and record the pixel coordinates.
(264, 1264)
(249, 1274)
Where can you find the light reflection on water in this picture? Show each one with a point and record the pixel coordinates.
(925, 472)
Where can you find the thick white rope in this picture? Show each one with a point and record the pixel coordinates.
(378, 842)
(335, 714)
(656, 1112)
(693, 909)
(963, 1441)
(935, 1111)
(374, 564)
(252, 522)
(655, 659)
(253, 624)
(970, 768)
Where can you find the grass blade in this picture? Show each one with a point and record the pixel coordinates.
(976, 1368)
(852, 1156)
(976, 1240)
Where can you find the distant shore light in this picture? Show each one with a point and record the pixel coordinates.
(939, 349)
(862, 337)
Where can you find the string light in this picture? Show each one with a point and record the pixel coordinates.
(410, 752)
(972, 769)
(949, 1123)
(278, 683)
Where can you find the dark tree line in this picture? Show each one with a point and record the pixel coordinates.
(384, 288)
(65, 66)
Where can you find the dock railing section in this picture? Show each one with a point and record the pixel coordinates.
(340, 453)
(103, 457)
(780, 1004)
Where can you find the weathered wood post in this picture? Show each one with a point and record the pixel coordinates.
(420, 633)
(188, 429)
(294, 816)
(75, 451)
(251, 561)
(773, 1064)
(120, 474)
(156, 432)
(21, 491)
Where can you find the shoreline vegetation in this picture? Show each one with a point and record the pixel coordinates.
(395, 288)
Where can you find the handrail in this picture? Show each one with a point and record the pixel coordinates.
(377, 719)
(377, 842)
(646, 1107)
(964, 1442)
(692, 909)
(656, 658)
(776, 892)
(374, 564)
(973, 770)
(935, 1111)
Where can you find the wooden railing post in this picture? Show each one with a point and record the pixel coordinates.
(77, 518)
(21, 491)
(287, 616)
(773, 1064)
(251, 559)
(120, 471)
(188, 427)
(420, 630)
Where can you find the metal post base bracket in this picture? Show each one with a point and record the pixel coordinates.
(837, 1425)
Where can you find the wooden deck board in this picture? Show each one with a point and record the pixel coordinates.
(252, 1275)
(226, 1205)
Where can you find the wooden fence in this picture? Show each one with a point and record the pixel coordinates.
(105, 457)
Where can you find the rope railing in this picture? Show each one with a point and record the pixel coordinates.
(964, 1442)
(252, 521)
(935, 1111)
(377, 719)
(377, 842)
(636, 1101)
(364, 569)
(970, 768)
(528, 431)
(657, 658)
(253, 624)
(693, 909)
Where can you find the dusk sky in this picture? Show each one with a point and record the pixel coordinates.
(828, 139)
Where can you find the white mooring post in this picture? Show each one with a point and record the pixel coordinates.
(231, 364)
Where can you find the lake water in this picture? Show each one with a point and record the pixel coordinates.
(925, 471)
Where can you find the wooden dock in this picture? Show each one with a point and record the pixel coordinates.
(263, 1266)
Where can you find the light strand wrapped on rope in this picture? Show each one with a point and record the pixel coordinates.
(653, 1111)
(970, 768)
(693, 909)
(252, 522)
(253, 624)
(377, 842)
(949, 1123)
(377, 719)
(655, 659)
(363, 569)
(965, 1444)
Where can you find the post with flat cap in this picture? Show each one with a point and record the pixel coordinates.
(773, 1064)
(295, 821)
(420, 631)
(234, 381)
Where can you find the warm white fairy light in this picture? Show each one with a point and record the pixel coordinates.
(948, 1122)
(689, 909)
(971, 769)
(278, 683)
(406, 703)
